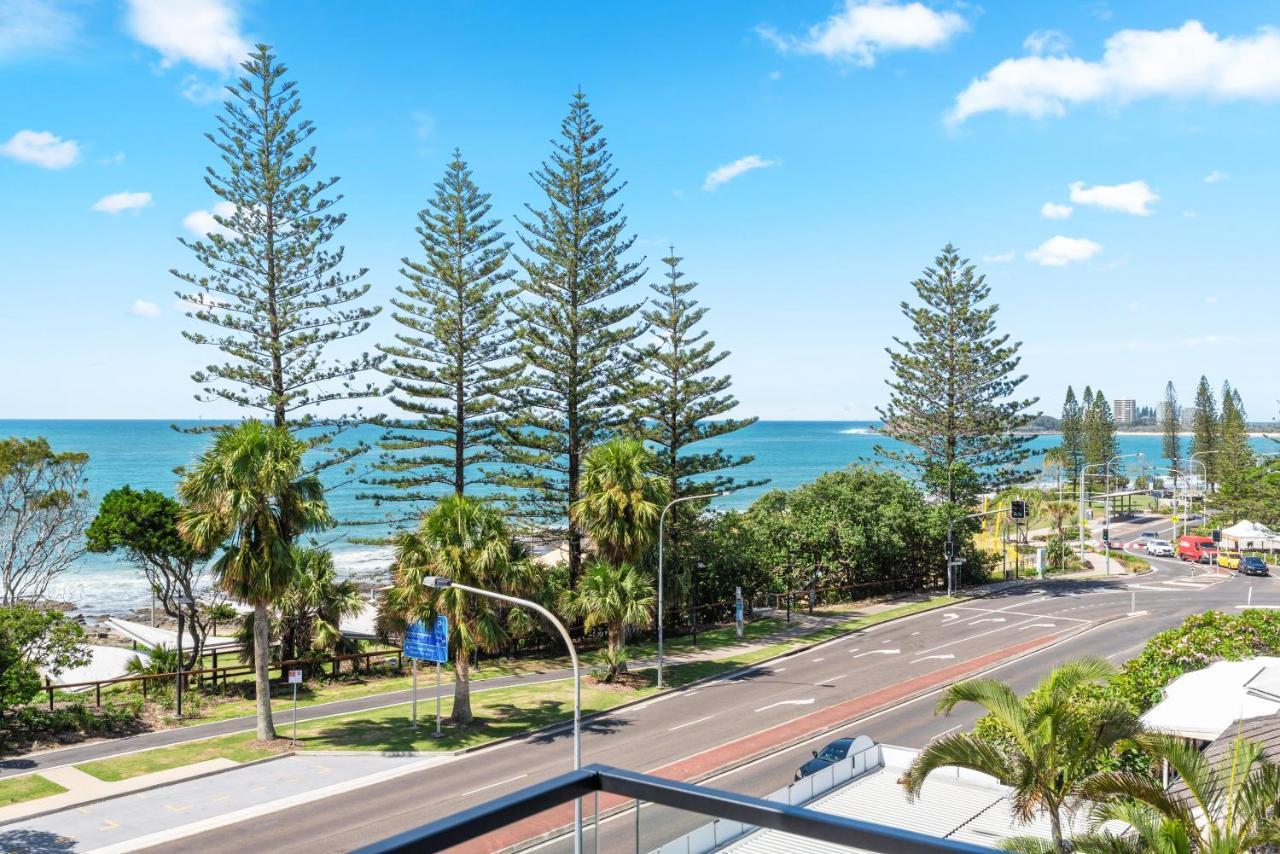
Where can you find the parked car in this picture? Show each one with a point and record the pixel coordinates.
(1253, 566)
(1195, 548)
(1208, 557)
(1229, 559)
(829, 755)
(1159, 548)
(1150, 535)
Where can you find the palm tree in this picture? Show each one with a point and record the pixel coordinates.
(1227, 807)
(614, 596)
(249, 494)
(1053, 743)
(467, 541)
(219, 612)
(621, 500)
(1149, 832)
(313, 607)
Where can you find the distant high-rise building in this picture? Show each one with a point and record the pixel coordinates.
(1124, 409)
(1189, 417)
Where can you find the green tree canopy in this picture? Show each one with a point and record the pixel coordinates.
(621, 500)
(616, 596)
(32, 639)
(42, 516)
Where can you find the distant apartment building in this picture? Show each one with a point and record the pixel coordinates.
(1189, 417)
(1125, 410)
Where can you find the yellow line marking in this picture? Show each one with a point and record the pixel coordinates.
(108, 824)
(179, 808)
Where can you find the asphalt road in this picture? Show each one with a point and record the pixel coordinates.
(657, 733)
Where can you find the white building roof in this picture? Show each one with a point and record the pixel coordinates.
(953, 804)
(362, 624)
(1203, 703)
(105, 662)
(153, 636)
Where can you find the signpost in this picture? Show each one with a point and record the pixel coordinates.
(737, 610)
(423, 645)
(295, 679)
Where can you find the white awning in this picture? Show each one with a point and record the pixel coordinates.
(153, 636)
(105, 662)
(1203, 703)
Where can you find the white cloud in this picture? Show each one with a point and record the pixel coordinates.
(114, 160)
(1051, 210)
(775, 75)
(999, 257)
(726, 173)
(205, 33)
(1042, 42)
(861, 30)
(1187, 62)
(32, 26)
(142, 308)
(126, 201)
(202, 223)
(1215, 176)
(1060, 251)
(42, 148)
(1134, 197)
(198, 92)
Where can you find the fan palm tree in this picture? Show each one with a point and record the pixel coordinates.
(467, 541)
(1148, 832)
(1053, 742)
(1228, 807)
(621, 500)
(615, 596)
(313, 607)
(249, 494)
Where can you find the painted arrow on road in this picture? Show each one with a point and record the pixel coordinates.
(807, 702)
(878, 652)
(927, 657)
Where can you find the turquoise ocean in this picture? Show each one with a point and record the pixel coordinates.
(144, 454)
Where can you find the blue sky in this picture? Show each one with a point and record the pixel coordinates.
(1110, 167)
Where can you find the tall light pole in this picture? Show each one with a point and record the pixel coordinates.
(1204, 492)
(181, 602)
(1106, 507)
(662, 518)
(437, 582)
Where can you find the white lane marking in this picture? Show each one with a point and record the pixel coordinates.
(1037, 626)
(945, 731)
(807, 702)
(1112, 655)
(855, 649)
(836, 678)
(878, 652)
(491, 785)
(1031, 614)
(691, 723)
(950, 615)
(913, 634)
(987, 620)
(974, 637)
(776, 669)
(816, 660)
(927, 657)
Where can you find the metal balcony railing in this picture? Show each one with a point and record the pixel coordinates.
(469, 824)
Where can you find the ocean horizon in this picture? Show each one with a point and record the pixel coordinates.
(144, 453)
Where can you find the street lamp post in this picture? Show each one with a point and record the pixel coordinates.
(437, 582)
(1204, 492)
(662, 518)
(180, 602)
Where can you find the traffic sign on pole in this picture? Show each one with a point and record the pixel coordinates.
(423, 645)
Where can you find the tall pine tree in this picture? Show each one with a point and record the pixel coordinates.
(678, 400)
(272, 285)
(1072, 426)
(1204, 434)
(952, 394)
(1099, 434)
(572, 329)
(1170, 422)
(450, 367)
(1236, 462)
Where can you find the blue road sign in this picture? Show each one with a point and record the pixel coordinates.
(428, 646)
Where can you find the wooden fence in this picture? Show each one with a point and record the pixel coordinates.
(212, 674)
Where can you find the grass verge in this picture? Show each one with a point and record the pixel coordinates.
(238, 748)
(15, 790)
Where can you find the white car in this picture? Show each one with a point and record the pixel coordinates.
(1159, 548)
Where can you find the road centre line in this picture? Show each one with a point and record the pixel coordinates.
(1028, 614)
(690, 723)
(491, 785)
(974, 637)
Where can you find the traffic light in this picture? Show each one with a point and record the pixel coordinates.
(1106, 535)
(951, 548)
(1217, 535)
(1018, 508)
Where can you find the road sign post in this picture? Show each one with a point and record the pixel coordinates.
(295, 679)
(423, 645)
(737, 610)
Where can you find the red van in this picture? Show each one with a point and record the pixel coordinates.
(1197, 549)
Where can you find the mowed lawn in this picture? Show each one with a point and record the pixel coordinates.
(15, 790)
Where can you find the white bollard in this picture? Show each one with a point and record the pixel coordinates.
(1250, 602)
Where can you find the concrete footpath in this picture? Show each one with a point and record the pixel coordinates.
(157, 815)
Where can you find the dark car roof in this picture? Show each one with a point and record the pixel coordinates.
(1252, 559)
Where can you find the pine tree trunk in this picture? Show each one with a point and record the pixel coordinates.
(461, 687)
(262, 671)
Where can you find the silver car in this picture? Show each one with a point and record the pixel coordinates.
(1159, 548)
